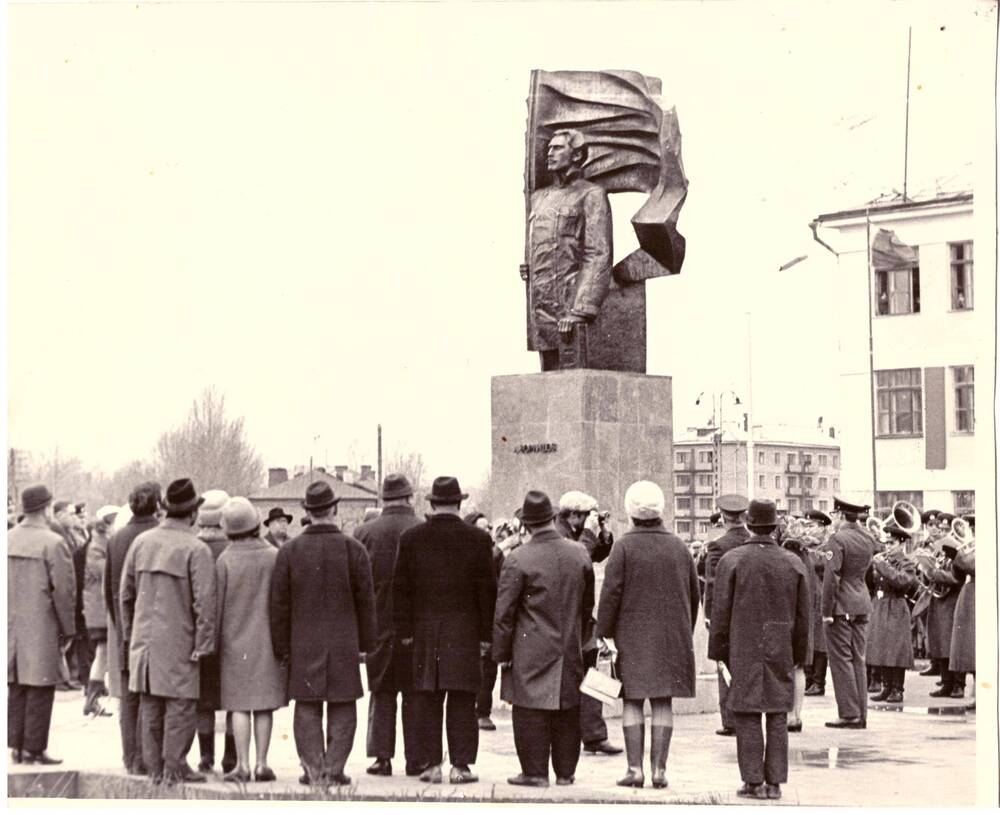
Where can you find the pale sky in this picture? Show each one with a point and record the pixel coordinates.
(317, 207)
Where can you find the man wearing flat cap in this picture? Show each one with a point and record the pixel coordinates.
(544, 602)
(733, 511)
(168, 619)
(445, 593)
(322, 617)
(760, 631)
(845, 609)
(41, 588)
(390, 663)
(277, 522)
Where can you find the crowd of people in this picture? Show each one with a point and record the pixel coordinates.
(191, 604)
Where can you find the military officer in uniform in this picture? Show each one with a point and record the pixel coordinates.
(845, 608)
(733, 510)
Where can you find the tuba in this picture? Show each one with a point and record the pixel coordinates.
(960, 539)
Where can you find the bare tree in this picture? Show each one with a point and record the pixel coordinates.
(411, 465)
(211, 449)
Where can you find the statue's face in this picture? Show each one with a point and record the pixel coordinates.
(560, 155)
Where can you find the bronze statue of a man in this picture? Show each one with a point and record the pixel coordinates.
(569, 249)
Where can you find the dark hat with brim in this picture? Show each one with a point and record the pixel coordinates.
(840, 505)
(929, 514)
(762, 515)
(275, 514)
(319, 496)
(396, 485)
(35, 498)
(945, 518)
(445, 490)
(181, 496)
(896, 532)
(819, 516)
(537, 509)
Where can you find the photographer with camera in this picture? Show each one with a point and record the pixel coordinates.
(580, 520)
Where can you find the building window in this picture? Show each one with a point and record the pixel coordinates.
(793, 482)
(683, 527)
(822, 461)
(884, 500)
(793, 505)
(836, 462)
(777, 459)
(702, 527)
(760, 481)
(760, 457)
(807, 504)
(705, 503)
(682, 457)
(836, 484)
(900, 402)
(705, 456)
(807, 482)
(807, 460)
(965, 398)
(822, 483)
(792, 459)
(964, 502)
(683, 504)
(897, 291)
(961, 275)
(704, 480)
(777, 482)
(683, 480)
(822, 505)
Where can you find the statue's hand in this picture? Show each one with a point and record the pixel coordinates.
(524, 271)
(566, 323)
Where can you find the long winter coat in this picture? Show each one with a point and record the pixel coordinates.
(390, 664)
(848, 553)
(813, 585)
(209, 697)
(889, 642)
(544, 602)
(760, 624)
(41, 594)
(649, 605)
(714, 551)
(445, 593)
(250, 676)
(168, 610)
(118, 547)
(941, 613)
(598, 547)
(962, 657)
(95, 611)
(322, 613)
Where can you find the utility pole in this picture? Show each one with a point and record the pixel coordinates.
(906, 131)
(871, 355)
(750, 459)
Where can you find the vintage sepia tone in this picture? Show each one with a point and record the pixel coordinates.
(310, 498)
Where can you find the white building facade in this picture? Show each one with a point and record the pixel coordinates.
(932, 334)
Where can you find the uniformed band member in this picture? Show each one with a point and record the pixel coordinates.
(846, 607)
(815, 669)
(962, 658)
(760, 632)
(941, 620)
(733, 509)
(890, 646)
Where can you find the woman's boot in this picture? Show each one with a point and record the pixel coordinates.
(635, 737)
(658, 752)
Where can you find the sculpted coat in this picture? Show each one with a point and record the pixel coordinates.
(41, 597)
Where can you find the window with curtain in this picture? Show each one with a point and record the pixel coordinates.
(900, 402)
(961, 275)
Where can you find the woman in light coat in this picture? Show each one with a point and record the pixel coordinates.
(252, 682)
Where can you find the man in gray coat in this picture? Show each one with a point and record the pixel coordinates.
(544, 602)
(41, 591)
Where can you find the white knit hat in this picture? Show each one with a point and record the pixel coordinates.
(576, 501)
(210, 512)
(644, 501)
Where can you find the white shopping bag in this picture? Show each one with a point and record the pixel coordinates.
(600, 686)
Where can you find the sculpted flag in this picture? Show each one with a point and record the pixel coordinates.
(633, 145)
(889, 253)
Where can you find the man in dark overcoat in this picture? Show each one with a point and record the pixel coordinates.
(277, 522)
(941, 618)
(816, 672)
(168, 619)
(390, 664)
(41, 589)
(578, 520)
(445, 593)
(733, 510)
(846, 607)
(760, 631)
(890, 646)
(545, 602)
(144, 501)
(322, 617)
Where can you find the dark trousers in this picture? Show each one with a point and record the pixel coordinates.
(816, 673)
(463, 731)
(168, 726)
(593, 730)
(539, 734)
(951, 679)
(762, 760)
(892, 678)
(381, 740)
(484, 700)
(81, 654)
(845, 645)
(327, 756)
(131, 729)
(29, 714)
(726, 713)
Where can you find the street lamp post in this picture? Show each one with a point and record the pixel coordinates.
(717, 429)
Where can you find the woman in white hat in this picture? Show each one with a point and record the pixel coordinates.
(649, 603)
(252, 682)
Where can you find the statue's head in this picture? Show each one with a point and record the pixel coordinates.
(567, 149)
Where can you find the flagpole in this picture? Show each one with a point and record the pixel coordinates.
(871, 355)
(906, 136)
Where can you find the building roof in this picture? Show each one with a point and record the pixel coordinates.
(294, 489)
(894, 202)
(763, 435)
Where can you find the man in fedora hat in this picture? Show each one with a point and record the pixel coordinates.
(41, 589)
(732, 509)
(390, 663)
(322, 617)
(168, 620)
(845, 608)
(445, 593)
(547, 588)
(760, 632)
(277, 522)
